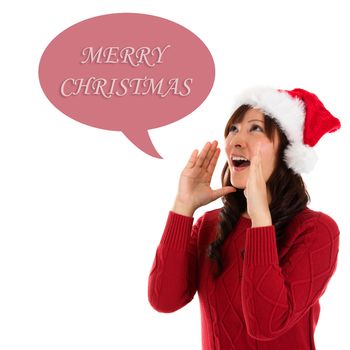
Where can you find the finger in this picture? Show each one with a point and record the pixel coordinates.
(203, 154)
(255, 161)
(256, 171)
(258, 149)
(213, 162)
(258, 159)
(210, 154)
(212, 165)
(192, 159)
(222, 192)
(253, 167)
(229, 189)
(260, 156)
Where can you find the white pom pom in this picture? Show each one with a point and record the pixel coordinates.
(301, 158)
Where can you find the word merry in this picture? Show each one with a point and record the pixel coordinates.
(126, 55)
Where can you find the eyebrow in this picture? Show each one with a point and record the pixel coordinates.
(255, 120)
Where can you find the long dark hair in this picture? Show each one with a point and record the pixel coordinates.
(287, 189)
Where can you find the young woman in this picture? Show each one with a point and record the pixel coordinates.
(261, 262)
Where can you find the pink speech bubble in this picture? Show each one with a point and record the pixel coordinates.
(127, 72)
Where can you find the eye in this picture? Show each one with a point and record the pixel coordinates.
(232, 127)
(256, 126)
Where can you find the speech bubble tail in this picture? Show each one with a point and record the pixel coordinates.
(141, 139)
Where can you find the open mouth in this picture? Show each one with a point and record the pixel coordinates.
(240, 163)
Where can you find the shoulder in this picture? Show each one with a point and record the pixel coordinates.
(211, 217)
(309, 216)
(212, 214)
(207, 226)
(309, 223)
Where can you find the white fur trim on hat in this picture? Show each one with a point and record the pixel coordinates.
(289, 113)
(301, 158)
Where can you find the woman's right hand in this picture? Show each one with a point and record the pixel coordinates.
(194, 186)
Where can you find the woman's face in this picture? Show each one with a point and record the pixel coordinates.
(243, 139)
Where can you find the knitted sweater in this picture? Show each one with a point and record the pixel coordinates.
(266, 298)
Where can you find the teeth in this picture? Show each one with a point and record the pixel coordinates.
(239, 158)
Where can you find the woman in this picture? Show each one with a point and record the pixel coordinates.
(262, 261)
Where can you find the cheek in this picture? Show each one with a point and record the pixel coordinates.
(227, 147)
(267, 155)
(266, 148)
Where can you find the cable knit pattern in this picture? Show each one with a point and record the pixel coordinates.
(266, 299)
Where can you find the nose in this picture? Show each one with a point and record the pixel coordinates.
(237, 140)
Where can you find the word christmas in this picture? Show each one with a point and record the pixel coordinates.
(135, 86)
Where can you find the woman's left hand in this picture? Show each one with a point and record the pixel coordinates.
(256, 193)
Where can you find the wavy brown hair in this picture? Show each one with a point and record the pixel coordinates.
(287, 189)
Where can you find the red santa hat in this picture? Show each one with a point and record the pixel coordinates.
(300, 115)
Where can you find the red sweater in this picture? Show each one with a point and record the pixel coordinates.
(265, 299)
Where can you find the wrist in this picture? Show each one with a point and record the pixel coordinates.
(262, 220)
(183, 209)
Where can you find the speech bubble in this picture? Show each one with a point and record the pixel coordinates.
(127, 72)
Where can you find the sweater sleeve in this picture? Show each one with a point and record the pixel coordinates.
(172, 281)
(276, 294)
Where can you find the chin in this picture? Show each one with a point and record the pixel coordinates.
(239, 186)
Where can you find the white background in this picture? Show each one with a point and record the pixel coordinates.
(83, 210)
